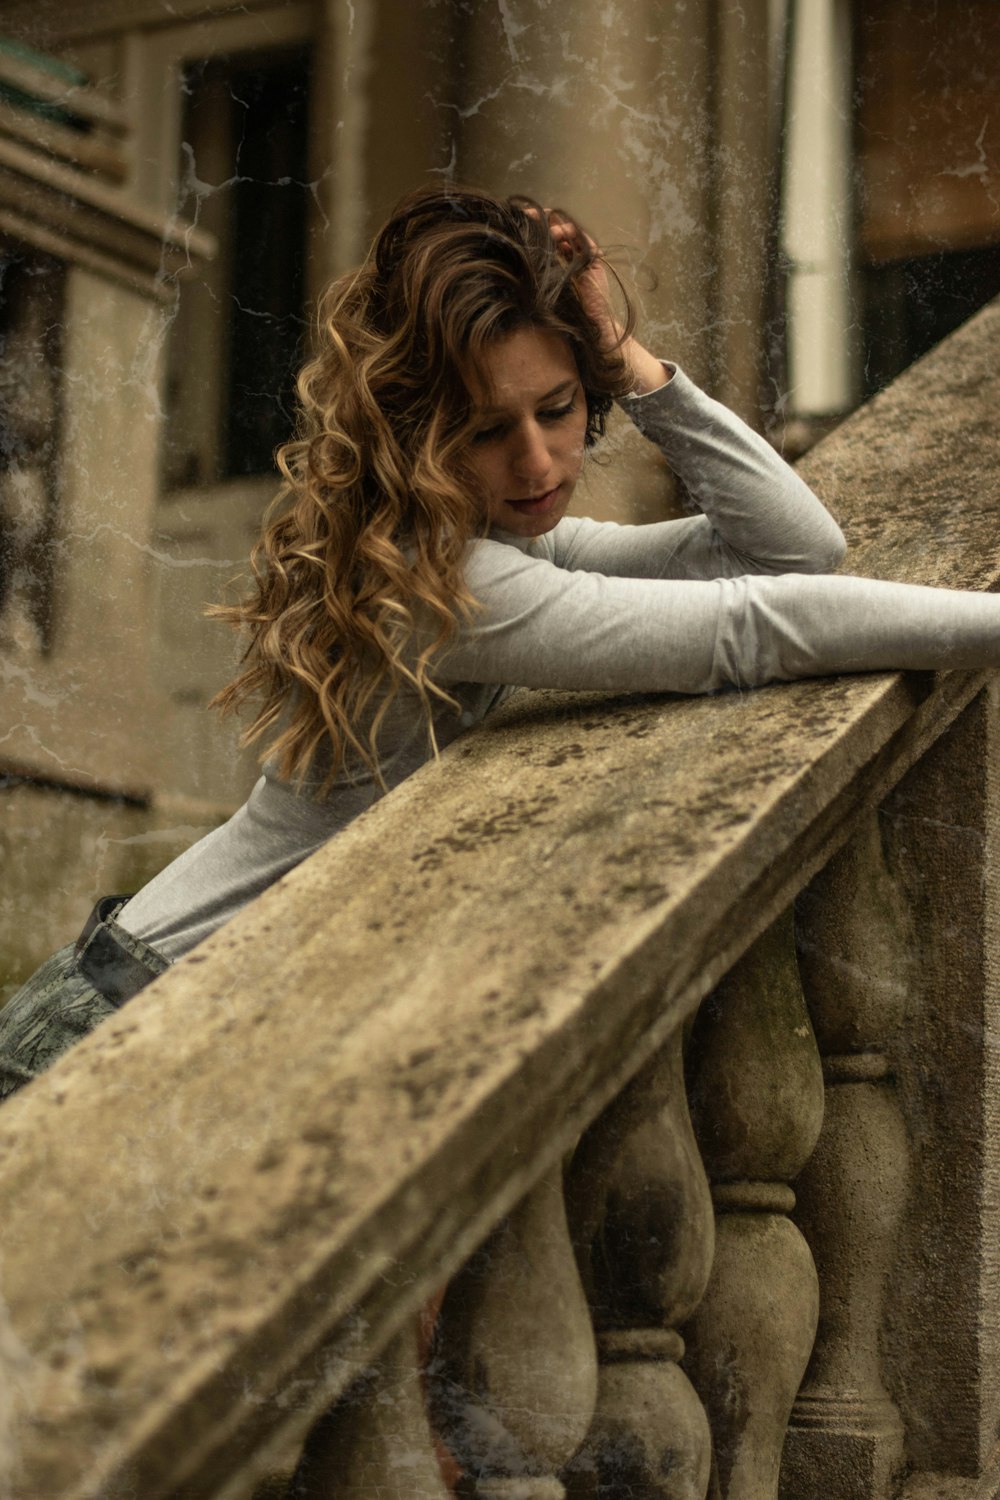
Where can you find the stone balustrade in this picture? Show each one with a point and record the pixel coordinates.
(644, 1047)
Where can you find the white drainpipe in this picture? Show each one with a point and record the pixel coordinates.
(817, 228)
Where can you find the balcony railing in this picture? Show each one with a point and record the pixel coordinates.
(449, 1052)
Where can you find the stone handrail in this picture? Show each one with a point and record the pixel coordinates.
(228, 1202)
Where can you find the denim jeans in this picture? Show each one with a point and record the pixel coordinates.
(71, 992)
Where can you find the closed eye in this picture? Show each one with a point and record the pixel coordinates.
(557, 413)
(548, 414)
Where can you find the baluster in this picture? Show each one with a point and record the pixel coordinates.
(376, 1441)
(641, 1215)
(757, 1100)
(846, 1436)
(514, 1377)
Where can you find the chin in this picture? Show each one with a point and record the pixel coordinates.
(531, 525)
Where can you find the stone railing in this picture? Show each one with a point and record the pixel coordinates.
(437, 1075)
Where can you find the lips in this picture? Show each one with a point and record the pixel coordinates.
(536, 505)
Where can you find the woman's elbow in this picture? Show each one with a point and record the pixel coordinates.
(826, 551)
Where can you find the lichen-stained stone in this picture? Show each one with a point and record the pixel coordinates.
(223, 1203)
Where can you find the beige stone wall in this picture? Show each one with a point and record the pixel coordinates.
(79, 712)
(61, 850)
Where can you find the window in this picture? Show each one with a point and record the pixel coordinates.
(927, 147)
(912, 304)
(238, 334)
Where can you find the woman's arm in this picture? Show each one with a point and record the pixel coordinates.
(758, 516)
(542, 626)
(705, 620)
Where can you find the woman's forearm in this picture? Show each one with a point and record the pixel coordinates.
(765, 518)
(759, 517)
(543, 626)
(650, 373)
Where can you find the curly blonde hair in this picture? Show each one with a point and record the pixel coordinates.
(369, 529)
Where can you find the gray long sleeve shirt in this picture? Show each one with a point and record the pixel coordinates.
(723, 597)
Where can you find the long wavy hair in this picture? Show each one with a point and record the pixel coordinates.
(369, 529)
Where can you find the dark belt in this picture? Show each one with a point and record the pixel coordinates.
(117, 964)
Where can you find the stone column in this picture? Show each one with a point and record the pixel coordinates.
(376, 1440)
(384, 117)
(641, 1214)
(757, 1099)
(743, 187)
(604, 107)
(846, 1437)
(514, 1377)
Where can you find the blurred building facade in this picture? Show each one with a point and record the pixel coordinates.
(806, 193)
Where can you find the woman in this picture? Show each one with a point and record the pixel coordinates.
(420, 562)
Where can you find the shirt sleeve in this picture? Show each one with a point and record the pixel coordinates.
(540, 625)
(757, 516)
(737, 596)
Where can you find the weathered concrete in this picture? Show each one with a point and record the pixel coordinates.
(855, 943)
(942, 835)
(232, 1194)
(640, 1210)
(756, 1088)
(514, 1379)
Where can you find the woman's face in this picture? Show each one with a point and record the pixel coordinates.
(528, 438)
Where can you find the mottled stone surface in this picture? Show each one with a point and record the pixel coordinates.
(231, 1194)
(941, 835)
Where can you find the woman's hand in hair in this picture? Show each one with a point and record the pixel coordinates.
(593, 285)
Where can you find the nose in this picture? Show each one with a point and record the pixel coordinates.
(531, 460)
